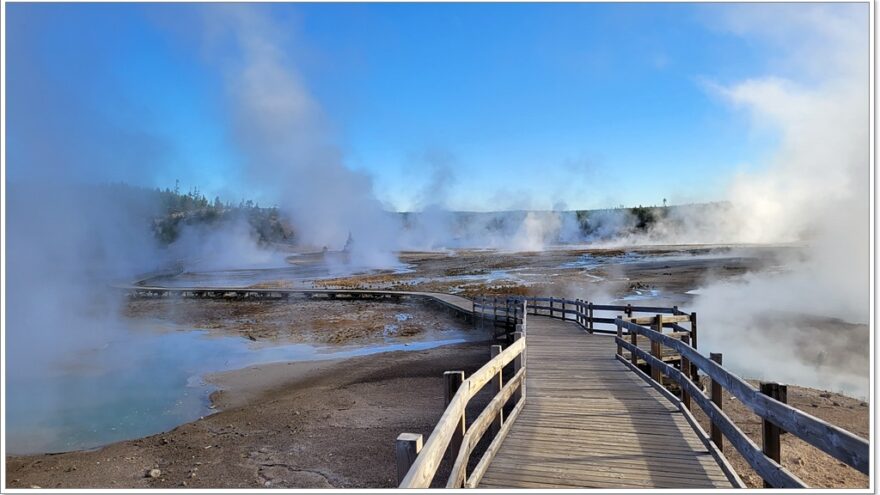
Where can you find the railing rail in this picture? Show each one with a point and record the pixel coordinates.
(582, 312)
(834, 441)
(452, 433)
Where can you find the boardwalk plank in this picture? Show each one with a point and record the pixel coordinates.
(588, 422)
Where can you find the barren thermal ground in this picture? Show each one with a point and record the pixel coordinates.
(284, 393)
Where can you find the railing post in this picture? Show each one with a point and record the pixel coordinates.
(584, 313)
(629, 310)
(717, 400)
(695, 375)
(518, 363)
(580, 312)
(657, 350)
(619, 336)
(634, 340)
(453, 380)
(563, 308)
(590, 309)
(406, 449)
(497, 384)
(685, 369)
(771, 445)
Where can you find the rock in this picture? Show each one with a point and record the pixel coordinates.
(825, 395)
(183, 483)
(835, 403)
(154, 473)
(36, 487)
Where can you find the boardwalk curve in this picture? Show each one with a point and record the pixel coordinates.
(589, 422)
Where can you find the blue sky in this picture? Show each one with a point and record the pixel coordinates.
(487, 105)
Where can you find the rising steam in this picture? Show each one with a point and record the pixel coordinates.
(289, 149)
(815, 188)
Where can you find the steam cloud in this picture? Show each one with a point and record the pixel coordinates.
(815, 189)
(289, 148)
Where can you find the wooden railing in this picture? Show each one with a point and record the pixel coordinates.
(587, 315)
(777, 416)
(417, 465)
(503, 313)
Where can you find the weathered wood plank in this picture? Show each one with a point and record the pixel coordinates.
(478, 428)
(452, 421)
(582, 402)
(407, 448)
(492, 450)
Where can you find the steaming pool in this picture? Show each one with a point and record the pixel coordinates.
(148, 381)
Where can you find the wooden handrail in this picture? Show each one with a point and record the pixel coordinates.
(837, 442)
(766, 467)
(422, 471)
(476, 430)
(581, 312)
(648, 320)
(475, 477)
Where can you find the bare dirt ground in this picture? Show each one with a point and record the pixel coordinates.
(814, 467)
(595, 273)
(300, 320)
(308, 425)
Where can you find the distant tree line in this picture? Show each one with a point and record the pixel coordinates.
(170, 211)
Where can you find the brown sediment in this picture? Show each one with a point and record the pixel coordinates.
(299, 320)
(540, 273)
(272, 284)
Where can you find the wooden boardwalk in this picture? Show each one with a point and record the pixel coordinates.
(582, 416)
(590, 422)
